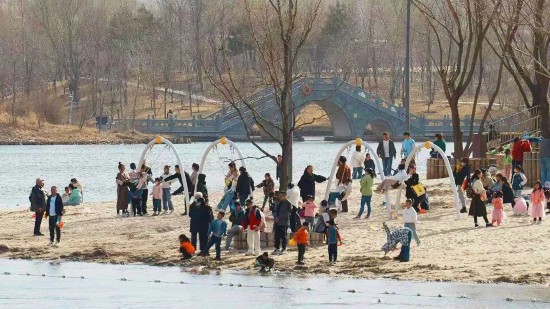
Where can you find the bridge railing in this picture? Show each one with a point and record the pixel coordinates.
(168, 125)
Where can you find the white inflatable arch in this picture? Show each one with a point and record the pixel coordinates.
(429, 145)
(222, 141)
(379, 167)
(162, 140)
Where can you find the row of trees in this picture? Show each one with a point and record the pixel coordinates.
(488, 50)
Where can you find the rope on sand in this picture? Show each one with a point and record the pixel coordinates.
(240, 285)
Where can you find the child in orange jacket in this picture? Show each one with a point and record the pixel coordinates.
(186, 248)
(302, 238)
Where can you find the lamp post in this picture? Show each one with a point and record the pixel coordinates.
(408, 69)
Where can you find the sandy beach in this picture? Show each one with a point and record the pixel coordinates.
(451, 250)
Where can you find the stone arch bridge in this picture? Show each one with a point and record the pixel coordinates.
(352, 111)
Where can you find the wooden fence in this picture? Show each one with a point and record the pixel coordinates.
(531, 167)
(436, 167)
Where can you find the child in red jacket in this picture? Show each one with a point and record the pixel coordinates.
(302, 239)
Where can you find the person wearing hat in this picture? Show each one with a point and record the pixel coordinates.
(237, 219)
(254, 222)
(343, 175)
(38, 204)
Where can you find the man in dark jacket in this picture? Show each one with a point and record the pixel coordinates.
(245, 184)
(307, 183)
(281, 217)
(54, 211)
(461, 174)
(38, 204)
(190, 187)
(201, 215)
(386, 152)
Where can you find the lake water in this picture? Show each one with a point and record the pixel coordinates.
(22, 285)
(96, 165)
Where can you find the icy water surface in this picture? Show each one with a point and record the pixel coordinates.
(88, 285)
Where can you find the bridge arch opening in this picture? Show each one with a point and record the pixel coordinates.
(376, 127)
(324, 117)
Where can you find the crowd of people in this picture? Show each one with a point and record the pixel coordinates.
(295, 211)
(51, 204)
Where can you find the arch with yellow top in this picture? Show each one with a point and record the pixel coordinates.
(222, 141)
(428, 145)
(161, 140)
(358, 142)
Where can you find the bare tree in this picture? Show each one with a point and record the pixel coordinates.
(279, 29)
(522, 43)
(459, 28)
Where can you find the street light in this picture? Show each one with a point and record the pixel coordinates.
(408, 69)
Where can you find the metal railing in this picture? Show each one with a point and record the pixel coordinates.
(504, 130)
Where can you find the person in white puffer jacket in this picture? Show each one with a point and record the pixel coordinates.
(357, 160)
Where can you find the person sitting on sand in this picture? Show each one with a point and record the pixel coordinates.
(79, 186)
(323, 218)
(401, 235)
(521, 206)
(65, 196)
(75, 198)
(186, 248)
(265, 262)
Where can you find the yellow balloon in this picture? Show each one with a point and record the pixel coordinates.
(158, 140)
(358, 141)
(223, 140)
(292, 242)
(427, 144)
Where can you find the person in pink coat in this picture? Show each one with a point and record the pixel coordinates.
(537, 198)
(309, 211)
(498, 214)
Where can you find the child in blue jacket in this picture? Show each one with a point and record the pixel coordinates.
(216, 231)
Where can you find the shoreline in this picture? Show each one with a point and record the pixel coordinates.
(451, 250)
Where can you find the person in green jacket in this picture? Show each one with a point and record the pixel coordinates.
(366, 192)
(441, 143)
(75, 198)
(237, 218)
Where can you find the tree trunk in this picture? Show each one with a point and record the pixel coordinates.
(74, 84)
(457, 132)
(540, 99)
(13, 95)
